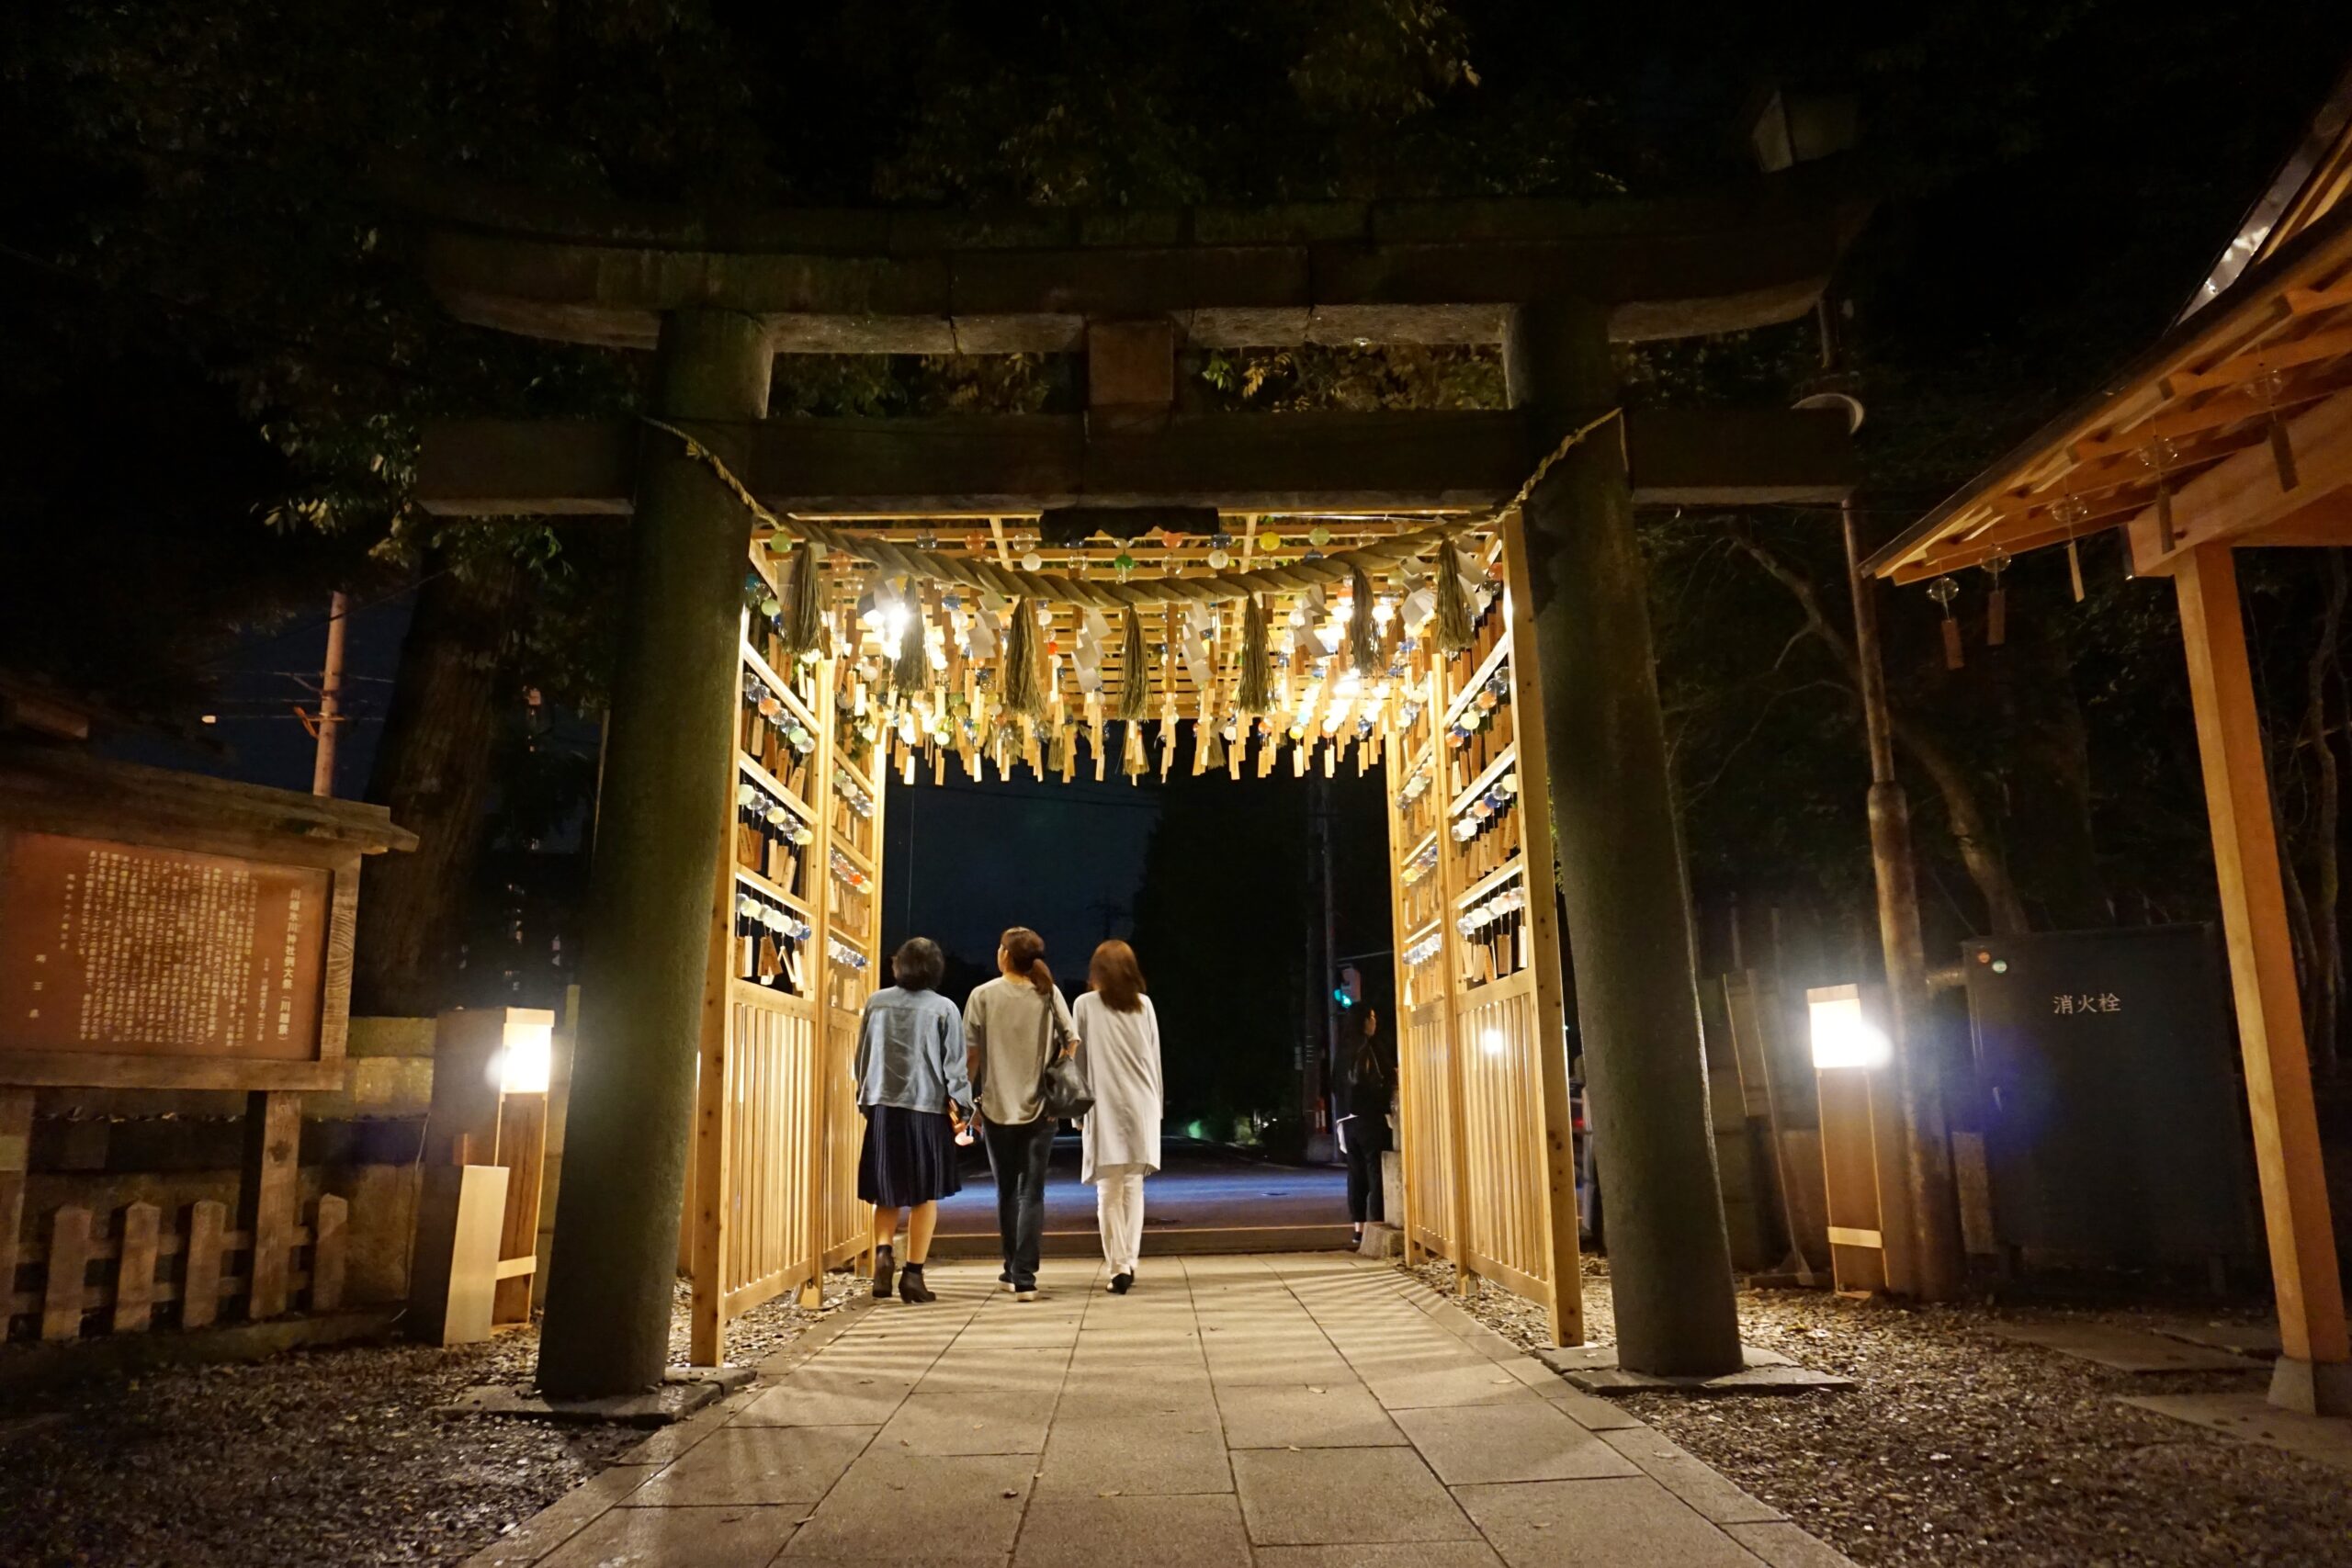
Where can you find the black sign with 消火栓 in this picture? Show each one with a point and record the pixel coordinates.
(2114, 1124)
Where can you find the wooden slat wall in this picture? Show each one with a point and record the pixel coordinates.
(779, 1101)
(1488, 1167)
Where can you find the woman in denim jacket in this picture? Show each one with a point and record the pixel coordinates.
(911, 1083)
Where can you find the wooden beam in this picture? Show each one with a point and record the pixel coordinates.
(2323, 522)
(2262, 975)
(989, 464)
(1564, 1277)
(2240, 496)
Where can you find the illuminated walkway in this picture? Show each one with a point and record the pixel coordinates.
(1292, 1411)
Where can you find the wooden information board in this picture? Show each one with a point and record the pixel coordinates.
(132, 950)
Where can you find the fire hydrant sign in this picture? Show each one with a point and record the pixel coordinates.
(121, 949)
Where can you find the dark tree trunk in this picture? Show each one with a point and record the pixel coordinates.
(432, 771)
(2049, 810)
(1972, 829)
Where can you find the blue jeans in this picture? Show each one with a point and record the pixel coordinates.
(1018, 1155)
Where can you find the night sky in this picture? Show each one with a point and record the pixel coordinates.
(965, 859)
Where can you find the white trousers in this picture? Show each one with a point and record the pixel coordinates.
(1118, 1210)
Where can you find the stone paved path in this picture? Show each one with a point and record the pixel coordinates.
(1292, 1411)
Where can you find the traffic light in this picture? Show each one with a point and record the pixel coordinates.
(1350, 990)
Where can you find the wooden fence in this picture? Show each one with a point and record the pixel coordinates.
(795, 925)
(1488, 1149)
(190, 1273)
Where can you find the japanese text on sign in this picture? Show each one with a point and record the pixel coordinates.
(120, 948)
(2068, 1004)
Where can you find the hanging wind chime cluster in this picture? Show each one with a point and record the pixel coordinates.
(926, 668)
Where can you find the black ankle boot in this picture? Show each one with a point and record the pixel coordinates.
(885, 1264)
(912, 1289)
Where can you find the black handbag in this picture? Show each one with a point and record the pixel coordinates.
(1062, 1086)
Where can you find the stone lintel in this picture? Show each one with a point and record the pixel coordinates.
(1027, 281)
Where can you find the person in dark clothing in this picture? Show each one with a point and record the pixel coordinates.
(1361, 1091)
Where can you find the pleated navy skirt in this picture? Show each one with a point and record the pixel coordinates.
(908, 1157)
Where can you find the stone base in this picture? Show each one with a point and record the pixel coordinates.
(2312, 1388)
(1382, 1241)
(2251, 1418)
(1594, 1369)
(684, 1391)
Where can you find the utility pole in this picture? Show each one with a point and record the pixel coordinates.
(1935, 1202)
(329, 698)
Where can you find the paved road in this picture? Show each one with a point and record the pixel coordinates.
(1202, 1189)
(1269, 1411)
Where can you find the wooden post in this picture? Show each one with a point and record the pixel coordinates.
(200, 1271)
(1558, 1115)
(658, 850)
(69, 1263)
(330, 1232)
(265, 1197)
(1612, 807)
(16, 1160)
(826, 802)
(1400, 1012)
(134, 1273)
(2314, 1370)
(713, 1186)
(1457, 1134)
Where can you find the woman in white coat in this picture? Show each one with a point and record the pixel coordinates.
(1122, 1059)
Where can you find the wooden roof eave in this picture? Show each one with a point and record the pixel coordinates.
(2264, 297)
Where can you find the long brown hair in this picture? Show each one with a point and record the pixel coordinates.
(1024, 955)
(1116, 978)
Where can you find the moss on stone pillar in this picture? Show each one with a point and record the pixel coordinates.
(1622, 870)
(659, 818)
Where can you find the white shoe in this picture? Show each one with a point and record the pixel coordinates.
(1028, 1295)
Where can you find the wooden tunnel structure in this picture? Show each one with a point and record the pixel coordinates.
(754, 958)
(2231, 432)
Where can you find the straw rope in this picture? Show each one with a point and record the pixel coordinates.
(977, 572)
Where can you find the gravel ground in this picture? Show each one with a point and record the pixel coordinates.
(1962, 1448)
(335, 1457)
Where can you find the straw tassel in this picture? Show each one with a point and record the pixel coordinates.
(1134, 672)
(804, 609)
(1363, 638)
(1023, 693)
(1208, 741)
(1256, 690)
(1452, 604)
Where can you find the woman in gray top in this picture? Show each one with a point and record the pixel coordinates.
(911, 1082)
(1010, 1025)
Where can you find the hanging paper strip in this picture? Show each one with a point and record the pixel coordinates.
(804, 607)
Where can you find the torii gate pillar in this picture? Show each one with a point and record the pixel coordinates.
(661, 812)
(1620, 853)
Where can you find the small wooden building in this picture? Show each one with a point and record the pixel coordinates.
(2231, 432)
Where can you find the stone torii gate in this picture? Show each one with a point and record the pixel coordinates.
(1555, 284)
